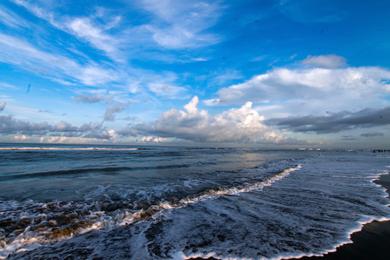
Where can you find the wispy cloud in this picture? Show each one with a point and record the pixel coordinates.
(312, 11)
(90, 98)
(4, 85)
(84, 28)
(20, 53)
(181, 24)
(325, 61)
(173, 24)
(226, 76)
(167, 90)
(11, 19)
(372, 134)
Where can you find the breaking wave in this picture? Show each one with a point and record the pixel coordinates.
(28, 225)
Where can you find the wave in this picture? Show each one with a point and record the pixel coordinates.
(54, 224)
(210, 194)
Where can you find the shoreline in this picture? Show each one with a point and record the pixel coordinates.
(371, 242)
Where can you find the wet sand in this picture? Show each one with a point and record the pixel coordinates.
(372, 242)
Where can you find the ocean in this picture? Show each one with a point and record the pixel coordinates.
(156, 202)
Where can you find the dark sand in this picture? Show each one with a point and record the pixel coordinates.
(372, 242)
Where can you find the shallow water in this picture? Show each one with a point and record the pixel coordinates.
(174, 202)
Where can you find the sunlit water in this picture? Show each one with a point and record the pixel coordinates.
(176, 202)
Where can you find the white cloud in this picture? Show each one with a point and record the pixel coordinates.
(85, 29)
(11, 19)
(199, 59)
(311, 90)
(7, 86)
(153, 139)
(172, 24)
(325, 61)
(94, 75)
(227, 76)
(181, 24)
(21, 53)
(167, 90)
(242, 125)
(20, 138)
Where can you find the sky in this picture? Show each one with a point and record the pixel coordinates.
(269, 73)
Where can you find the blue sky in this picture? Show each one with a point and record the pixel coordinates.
(246, 72)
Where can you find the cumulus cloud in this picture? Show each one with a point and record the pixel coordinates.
(317, 89)
(325, 61)
(12, 126)
(243, 125)
(335, 122)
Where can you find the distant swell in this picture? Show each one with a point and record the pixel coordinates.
(91, 170)
(67, 149)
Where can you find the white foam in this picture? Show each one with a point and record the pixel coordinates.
(211, 194)
(358, 226)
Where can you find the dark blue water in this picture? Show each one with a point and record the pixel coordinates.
(174, 202)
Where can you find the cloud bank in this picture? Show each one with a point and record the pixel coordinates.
(336, 122)
(243, 125)
(12, 126)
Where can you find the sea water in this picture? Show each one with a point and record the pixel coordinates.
(155, 202)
